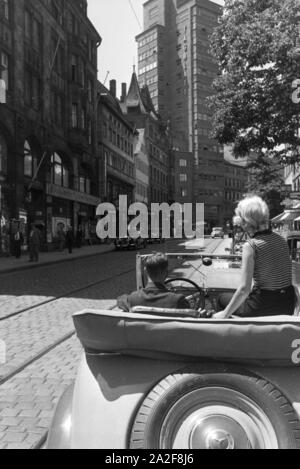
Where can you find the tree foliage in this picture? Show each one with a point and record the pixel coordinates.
(255, 45)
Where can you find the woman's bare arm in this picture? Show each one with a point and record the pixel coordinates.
(245, 287)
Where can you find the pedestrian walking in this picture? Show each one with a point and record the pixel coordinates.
(18, 241)
(34, 244)
(70, 240)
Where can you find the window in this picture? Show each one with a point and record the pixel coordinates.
(27, 25)
(4, 9)
(90, 91)
(36, 33)
(82, 74)
(85, 184)
(30, 160)
(90, 132)
(184, 193)
(4, 69)
(3, 154)
(183, 177)
(74, 68)
(58, 109)
(183, 163)
(59, 172)
(83, 119)
(75, 27)
(32, 90)
(74, 115)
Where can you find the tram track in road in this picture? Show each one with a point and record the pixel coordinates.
(4, 379)
(65, 295)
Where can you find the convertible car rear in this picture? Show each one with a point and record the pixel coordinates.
(162, 379)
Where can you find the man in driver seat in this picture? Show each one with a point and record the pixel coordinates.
(156, 294)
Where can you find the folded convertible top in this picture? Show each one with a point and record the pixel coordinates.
(262, 341)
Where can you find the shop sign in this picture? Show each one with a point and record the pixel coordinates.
(68, 194)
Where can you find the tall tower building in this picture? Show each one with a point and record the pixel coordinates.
(175, 62)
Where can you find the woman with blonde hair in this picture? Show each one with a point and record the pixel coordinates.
(266, 281)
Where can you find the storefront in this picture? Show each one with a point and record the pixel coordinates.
(66, 207)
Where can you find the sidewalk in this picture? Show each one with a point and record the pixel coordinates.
(11, 264)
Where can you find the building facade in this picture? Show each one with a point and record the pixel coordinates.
(140, 111)
(116, 139)
(142, 169)
(183, 175)
(175, 63)
(49, 171)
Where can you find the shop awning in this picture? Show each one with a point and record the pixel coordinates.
(287, 217)
(277, 218)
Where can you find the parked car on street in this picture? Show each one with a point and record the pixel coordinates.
(169, 380)
(130, 243)
(217, 232)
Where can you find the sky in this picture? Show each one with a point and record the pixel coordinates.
(118, 23)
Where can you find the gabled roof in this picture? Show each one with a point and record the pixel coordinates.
(134, 97)
(139, 98)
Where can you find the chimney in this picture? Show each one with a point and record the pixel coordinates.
(113, 88)
(124, 92)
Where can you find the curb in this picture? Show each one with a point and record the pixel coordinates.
(48, 263)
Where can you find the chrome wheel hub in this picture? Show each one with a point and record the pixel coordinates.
(218, 418)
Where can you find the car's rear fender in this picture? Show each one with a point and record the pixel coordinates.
(110, 389)
(60, 431)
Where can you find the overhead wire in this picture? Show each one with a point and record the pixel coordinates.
(135, 14)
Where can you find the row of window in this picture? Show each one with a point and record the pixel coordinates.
(147, 54)
(211, 193)
(59, 173)
(146, 40)
(80, 121)
(142, 166)
(158, 196)
(148, 68)
(118, 140)
(233, 196)
(158, 176)
(234, 183)
(157, 153)
(119, 163)
(141, 190)
(183, 177)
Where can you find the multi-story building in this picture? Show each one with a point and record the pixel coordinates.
(175, 63)
(141, 113)
(116, 140)
(48, 152)
(236, 179)
(142, 168)
(183, 175)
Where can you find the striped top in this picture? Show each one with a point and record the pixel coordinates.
(273, 265)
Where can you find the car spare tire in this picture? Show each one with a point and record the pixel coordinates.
(215, 411)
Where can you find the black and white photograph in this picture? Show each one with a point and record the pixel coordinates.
(149, 227)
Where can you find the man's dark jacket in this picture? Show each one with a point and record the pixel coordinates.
(153, 296)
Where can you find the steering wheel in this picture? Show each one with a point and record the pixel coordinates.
(193, 293)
